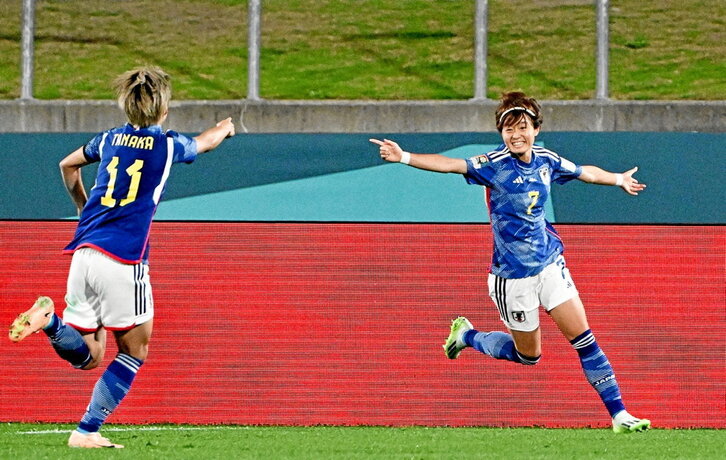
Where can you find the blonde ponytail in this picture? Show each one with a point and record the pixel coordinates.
(143, 94)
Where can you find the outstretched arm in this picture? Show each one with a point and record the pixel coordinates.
(70, 167)
(390, 151)
(626, 181)
(211, 138)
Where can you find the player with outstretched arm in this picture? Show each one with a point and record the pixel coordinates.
(108, 281)
(528, 268)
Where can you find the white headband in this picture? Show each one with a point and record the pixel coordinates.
(524, 109)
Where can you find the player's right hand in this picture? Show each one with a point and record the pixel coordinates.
(389, 150)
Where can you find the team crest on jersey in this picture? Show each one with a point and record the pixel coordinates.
(478, 161)
(519, 316)
(544, 174)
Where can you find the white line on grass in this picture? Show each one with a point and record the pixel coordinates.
(145, 428)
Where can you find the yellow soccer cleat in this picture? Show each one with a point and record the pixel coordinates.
(32, 320)
(455, 341)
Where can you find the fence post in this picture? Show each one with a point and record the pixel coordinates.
(603, 43)
(480, 49)
(27, 62)
(253, 50)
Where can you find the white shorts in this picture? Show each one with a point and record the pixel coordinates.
(103, 292)
(518, 300)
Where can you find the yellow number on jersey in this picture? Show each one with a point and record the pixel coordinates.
(107, 199)
(134, 171)
(535, 196)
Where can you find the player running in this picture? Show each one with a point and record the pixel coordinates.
(528, 268)
(108, 281)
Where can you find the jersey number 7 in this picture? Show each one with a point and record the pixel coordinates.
(535, 196)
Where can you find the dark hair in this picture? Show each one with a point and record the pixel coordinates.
(515, 105)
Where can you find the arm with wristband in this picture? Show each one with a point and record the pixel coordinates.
(392, 152)
(626, 181)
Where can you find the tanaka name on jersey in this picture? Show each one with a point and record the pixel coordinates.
(135, 142)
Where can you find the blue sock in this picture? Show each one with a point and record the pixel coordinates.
(598, 371)
(110, 389)
(67, 342)
(498, 345)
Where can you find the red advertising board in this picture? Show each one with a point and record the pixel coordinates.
(342, 324)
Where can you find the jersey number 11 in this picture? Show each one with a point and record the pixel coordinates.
(134, 171)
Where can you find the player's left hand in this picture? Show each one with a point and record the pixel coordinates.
(630, 183)
(228, 125)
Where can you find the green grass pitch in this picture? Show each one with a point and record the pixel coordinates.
(38, 441)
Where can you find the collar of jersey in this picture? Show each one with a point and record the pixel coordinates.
(153, 128)
(524, 167)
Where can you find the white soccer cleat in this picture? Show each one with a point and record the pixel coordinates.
(623, 422)
(455, 342)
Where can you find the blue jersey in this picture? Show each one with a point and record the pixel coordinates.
(524, 242)
(134, 167)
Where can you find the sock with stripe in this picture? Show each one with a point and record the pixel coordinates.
(598, 371)
(67, 342)
(498, 345)
(110, 389)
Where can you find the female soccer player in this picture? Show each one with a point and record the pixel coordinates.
(108, 282)
(528, 268)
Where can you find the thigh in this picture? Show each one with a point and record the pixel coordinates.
(83, 310)
(556, 285)
(517, 302)
(124, 292)
(570, 318)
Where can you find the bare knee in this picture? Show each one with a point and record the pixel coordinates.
(92, 365)
(96, 343)
(134, 345)
(528, 360)
(138, 351)
(528, 345)
(135, 342)
(96, 358)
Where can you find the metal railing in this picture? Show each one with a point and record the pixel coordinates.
(603, 42)
(27, 47)
(254, 42)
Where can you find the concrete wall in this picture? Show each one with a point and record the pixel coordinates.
(20, 116)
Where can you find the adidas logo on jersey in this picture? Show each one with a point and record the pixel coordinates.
(518, 180)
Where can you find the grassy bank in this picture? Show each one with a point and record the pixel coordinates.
(371, 49)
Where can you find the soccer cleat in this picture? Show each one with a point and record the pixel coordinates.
(455, 342)
(623, 422)
(32, 320)
(91, 441)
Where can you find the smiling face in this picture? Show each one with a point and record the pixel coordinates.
(519, 136)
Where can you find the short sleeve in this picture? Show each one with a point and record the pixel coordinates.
(92, 149)
(565, 170)
(479, 171)
(185, 147)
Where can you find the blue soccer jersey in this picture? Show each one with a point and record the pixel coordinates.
(132, 174)
(524, 242)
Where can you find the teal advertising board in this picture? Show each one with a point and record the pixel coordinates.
(340, 178)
